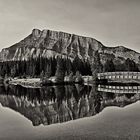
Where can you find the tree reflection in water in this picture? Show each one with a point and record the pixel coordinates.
(59, 104)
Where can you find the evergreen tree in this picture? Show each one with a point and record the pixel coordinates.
(53, 66)
(130, 65)
(42, 76)
(60, 72)
(77, 64)
(95, 65)
(109, 66)
(68, 65)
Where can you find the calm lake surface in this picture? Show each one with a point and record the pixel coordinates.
(71, 111)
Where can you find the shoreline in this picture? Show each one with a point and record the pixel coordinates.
(29, 82)
(36, 82)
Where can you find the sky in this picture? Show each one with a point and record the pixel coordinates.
(112, 22)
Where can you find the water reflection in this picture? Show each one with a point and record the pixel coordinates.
(58, 104)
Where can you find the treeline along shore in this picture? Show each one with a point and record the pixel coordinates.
(61, 69)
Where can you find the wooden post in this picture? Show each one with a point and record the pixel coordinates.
(115, 76)
(137, 76)
(123, 75)
(132, 75)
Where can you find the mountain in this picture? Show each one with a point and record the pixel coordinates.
(49, 43)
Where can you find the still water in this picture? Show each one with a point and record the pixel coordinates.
(60, 111)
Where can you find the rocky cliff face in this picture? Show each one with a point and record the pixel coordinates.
(49, 43)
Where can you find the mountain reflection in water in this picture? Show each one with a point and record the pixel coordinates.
(59, 104)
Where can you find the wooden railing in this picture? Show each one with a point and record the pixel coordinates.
(119, 89)
(119, 75)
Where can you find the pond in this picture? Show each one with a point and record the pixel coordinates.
(70, 111)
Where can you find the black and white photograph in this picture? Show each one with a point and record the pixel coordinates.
(69, 69)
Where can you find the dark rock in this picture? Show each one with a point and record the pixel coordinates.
(49, 43)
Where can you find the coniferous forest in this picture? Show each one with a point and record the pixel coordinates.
(48, 66)
(35, 67)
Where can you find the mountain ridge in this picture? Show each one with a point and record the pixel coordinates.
(48, 43)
